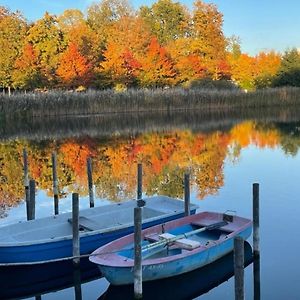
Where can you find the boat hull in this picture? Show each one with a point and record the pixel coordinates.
(62, 249)
(123, 276)
(58, 245)
(119, 271)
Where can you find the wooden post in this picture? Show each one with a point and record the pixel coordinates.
(55, 183)
(239, 268)
(256, 251)
(256, 219)
(77, 283)
(31, 206)
(75, 225)
(38, 297)
(187, 209)
(256, 277)
(138, 279)
(26, 181)
(90, 181)
(140, 202)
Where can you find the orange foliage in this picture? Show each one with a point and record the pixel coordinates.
(157, 66)
(74, 69)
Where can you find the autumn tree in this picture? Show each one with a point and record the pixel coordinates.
(167, 20)
(74, 69)
(207, 34)
(243, 70)
(12, 34)
(119, 66)
(157, 66)
(76, 30)
(266, 67)
(27, 73)
(102, 15)
(48, 42)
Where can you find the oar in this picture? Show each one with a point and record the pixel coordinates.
(184, 235)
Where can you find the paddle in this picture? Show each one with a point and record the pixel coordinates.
(184, 235)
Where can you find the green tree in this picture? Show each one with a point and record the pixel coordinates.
(12, 33)
(168, 20)
(289, 71)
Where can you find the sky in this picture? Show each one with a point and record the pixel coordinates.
(262, 25)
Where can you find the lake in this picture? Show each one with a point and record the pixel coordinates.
(225, 153)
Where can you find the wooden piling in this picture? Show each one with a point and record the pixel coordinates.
(239, 268)
(140, 202)
(55, 183)
(187, 205)
(26, 181)
(77, 283)
(31, 205)
(256, 277)
(138, 279)
(256, 219)
(90, 181)
(75, 225)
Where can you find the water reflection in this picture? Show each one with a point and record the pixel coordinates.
(165, 156)
(35, 281)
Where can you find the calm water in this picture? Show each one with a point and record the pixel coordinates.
(225, 156)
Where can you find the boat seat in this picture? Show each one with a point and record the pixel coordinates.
(86, 224)
(183, 243)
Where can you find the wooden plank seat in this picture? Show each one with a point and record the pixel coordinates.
(225, 228)
(86, 224)
(183, 243)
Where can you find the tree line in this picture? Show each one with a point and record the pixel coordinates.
(115, 46)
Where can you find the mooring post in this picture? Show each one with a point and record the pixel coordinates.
(140, 202)
(256, 251)
(38, 297)
(239, 268)
(75, 225)
(256, 277)
(138, 279)
(31, 206)
(256, 219)
(90, 181)
(55, 183)
(26, 181)
(77, 283)
(187, 209)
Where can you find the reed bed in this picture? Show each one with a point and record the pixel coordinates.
(59, 103)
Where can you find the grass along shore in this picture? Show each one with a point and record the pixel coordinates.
(143, 100)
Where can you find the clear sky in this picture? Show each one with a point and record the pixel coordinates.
(261, 24)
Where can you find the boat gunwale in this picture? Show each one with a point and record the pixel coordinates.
(113, 257)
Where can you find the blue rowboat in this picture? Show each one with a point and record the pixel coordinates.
(173, 248)
(50, 238)
(189, 285)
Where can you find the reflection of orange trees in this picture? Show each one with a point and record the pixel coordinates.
(74, 155)
(165, 158)
(250, 133)
(11, 180)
